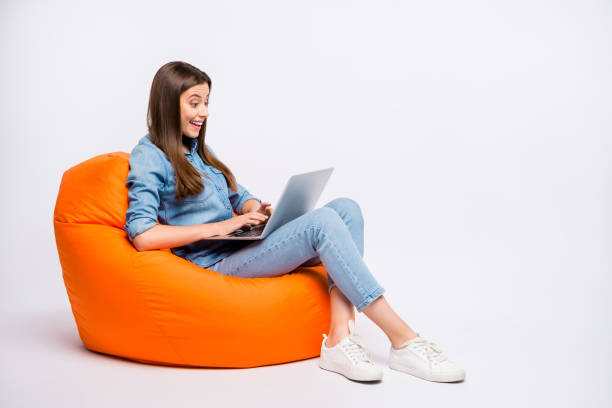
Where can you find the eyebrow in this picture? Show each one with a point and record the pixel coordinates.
(196, 95)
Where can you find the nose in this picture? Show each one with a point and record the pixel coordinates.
(203, 111)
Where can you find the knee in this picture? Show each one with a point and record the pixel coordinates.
(325, 218)
(348, 205)
(325, 222)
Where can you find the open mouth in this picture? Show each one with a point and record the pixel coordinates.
(196, 124)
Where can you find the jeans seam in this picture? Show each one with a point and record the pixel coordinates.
(277, 245)
(314, 228)
(346, 268)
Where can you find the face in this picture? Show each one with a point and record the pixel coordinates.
(194, 109)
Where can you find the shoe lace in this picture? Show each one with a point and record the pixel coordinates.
(430, 350)
(356, 350)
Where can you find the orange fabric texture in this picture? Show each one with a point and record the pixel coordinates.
(156, 307)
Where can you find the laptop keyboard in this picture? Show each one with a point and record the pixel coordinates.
(254, 232)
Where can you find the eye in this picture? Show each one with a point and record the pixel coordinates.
(194, 104)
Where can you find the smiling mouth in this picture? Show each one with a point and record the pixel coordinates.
(196, 124)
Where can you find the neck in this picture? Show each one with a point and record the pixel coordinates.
(187, 143)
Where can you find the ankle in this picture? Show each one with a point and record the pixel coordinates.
(335, 337)
(397, 342)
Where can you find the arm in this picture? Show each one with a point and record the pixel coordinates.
(146, 177)
(172, 236)
(250, 205)
(242, 200)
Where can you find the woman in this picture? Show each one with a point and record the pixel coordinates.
(177, 178)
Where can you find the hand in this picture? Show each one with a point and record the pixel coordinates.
(241, 221)
(265, 209)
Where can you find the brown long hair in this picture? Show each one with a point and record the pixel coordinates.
(164, 123)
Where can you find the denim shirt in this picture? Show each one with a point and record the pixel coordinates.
(151, 196)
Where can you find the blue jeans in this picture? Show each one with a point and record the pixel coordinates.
(332, 234)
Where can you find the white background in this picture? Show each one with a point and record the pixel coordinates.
(475, 135)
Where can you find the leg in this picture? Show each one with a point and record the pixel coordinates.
(321, 233)
(286, 257)
(342, 309)
(350, 213)
(380, 312)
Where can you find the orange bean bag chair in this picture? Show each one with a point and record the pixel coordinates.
(156, 307)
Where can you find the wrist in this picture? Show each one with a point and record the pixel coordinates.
(212, 229)
(250, 205)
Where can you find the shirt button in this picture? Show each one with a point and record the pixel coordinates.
(227, 206)
(218, 188)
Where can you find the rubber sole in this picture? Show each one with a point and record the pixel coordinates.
(454, 376)
(364, 377)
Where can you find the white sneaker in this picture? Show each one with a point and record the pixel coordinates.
(425, 360)
(349, 358)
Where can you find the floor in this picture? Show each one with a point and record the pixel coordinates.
(510, 362)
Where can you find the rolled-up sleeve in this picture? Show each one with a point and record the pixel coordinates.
(145, 179)
(237, 198)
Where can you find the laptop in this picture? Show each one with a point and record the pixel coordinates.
(299, 196)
